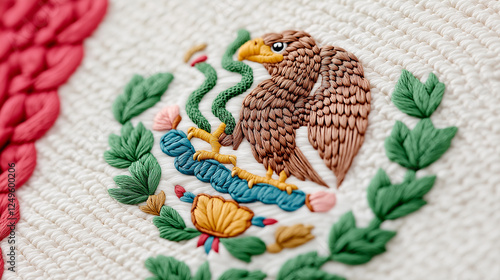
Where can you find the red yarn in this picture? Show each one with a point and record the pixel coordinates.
(40, 48)
(200, 59)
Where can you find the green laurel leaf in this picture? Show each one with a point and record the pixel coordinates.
(167, 268)
(351, 245)
(130, 146)
(244, 248)
(203, 272)
(305, 266)
(242, 274)
(315, 274)
(415, 98)
(139, 95)
(391, 201)
(418, 148)
(146, 173)
(172, 227)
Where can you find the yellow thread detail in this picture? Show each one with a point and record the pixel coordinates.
(291, 237)
(255, 50)
(154, 204)
(269, 173)
(194, 50)
(216, 216)
(213, 140)
(255, 179)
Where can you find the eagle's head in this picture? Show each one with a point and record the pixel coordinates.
(292, 54)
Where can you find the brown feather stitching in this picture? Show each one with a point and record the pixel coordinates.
(348, 95)
(336, 115)
(268, 119)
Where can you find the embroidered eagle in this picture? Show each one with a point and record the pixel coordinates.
(336, 114)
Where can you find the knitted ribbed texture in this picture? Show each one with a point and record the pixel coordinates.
(72, 229)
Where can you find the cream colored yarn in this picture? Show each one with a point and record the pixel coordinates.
(70, 227)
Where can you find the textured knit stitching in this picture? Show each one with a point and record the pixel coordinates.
(35, 60)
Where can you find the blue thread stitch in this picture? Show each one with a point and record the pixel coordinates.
(175, 144)
(208, 244)
(187, 197)
(258, 221)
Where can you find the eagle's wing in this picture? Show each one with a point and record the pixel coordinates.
(338, 112)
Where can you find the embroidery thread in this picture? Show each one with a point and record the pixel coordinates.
(216, 220)
(168, 118)
(291, 237)
(246, 72)
(139, 95)
(193, 102)
(413, 149)
(220, 221)
(132, 149)
(336, 115)
(193, 50)
(168, 268)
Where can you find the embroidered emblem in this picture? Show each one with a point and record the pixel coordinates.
(217, 220)
(412, 149)
(336, 114)
(208, 166)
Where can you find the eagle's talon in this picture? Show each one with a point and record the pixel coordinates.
(232, 159)
(254, 179)
(213, 140)
(195, 155)
(224, 159)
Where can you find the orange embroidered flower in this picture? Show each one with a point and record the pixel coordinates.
(220, 218)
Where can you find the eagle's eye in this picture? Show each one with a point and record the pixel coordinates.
(278, 47)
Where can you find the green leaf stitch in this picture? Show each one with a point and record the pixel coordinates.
(146, 173)
(244, 248)
(172, 226)
(305, 266)
(352, 245)
(203, 272)
(242, 274)
(415, 98)
(167, 268)
(418, 148)
(390, 202)
(130, 146)
(139, 95)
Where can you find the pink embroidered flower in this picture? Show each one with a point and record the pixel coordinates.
(321, 201)
(168, 118)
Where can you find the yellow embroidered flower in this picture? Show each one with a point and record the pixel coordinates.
(220, 218)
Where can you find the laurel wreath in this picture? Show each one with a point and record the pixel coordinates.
(413, 149)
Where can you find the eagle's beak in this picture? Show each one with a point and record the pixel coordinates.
(255, 50)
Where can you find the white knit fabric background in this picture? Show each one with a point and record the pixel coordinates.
(70, 227)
